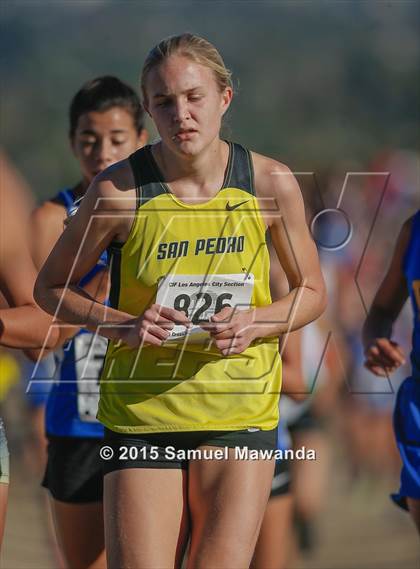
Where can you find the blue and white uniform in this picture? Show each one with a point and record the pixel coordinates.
(407, 408)
(73, 401)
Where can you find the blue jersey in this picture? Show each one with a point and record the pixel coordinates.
(412, 275)
(73, 401)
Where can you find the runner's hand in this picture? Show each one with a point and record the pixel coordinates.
(231, 330)
(383, 357)
(153, 327)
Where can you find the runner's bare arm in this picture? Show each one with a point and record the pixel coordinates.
(283, 209)
(23, 325)
(293, 380)
(47, 224)
(290, 345)
(382, 354)
(105, 215)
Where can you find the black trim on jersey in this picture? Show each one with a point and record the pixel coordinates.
(228, 173)
(242, 176)
(159, 176)
(150, 182)
(154, 166)
(133, 159)
(147, 178)
(114, 262)
(251, 173)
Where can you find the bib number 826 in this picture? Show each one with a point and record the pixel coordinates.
(211, 304)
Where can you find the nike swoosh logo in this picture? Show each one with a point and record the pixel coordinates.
(232, 207)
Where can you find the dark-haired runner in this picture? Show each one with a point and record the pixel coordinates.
(383, 356)
(106, 125)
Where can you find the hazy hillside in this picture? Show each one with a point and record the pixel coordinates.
(317, 81)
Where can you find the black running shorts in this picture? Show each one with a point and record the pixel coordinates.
(174, 450)
(74, 469)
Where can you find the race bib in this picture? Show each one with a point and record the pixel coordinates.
(89, 352)
(201, 296)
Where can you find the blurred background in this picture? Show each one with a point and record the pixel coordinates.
(329, 88)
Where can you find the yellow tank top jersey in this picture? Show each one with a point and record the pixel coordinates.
(197, 259)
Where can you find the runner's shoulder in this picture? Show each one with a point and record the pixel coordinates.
(405, 232)
(115, 185)
(404, 238)
(273, 179)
